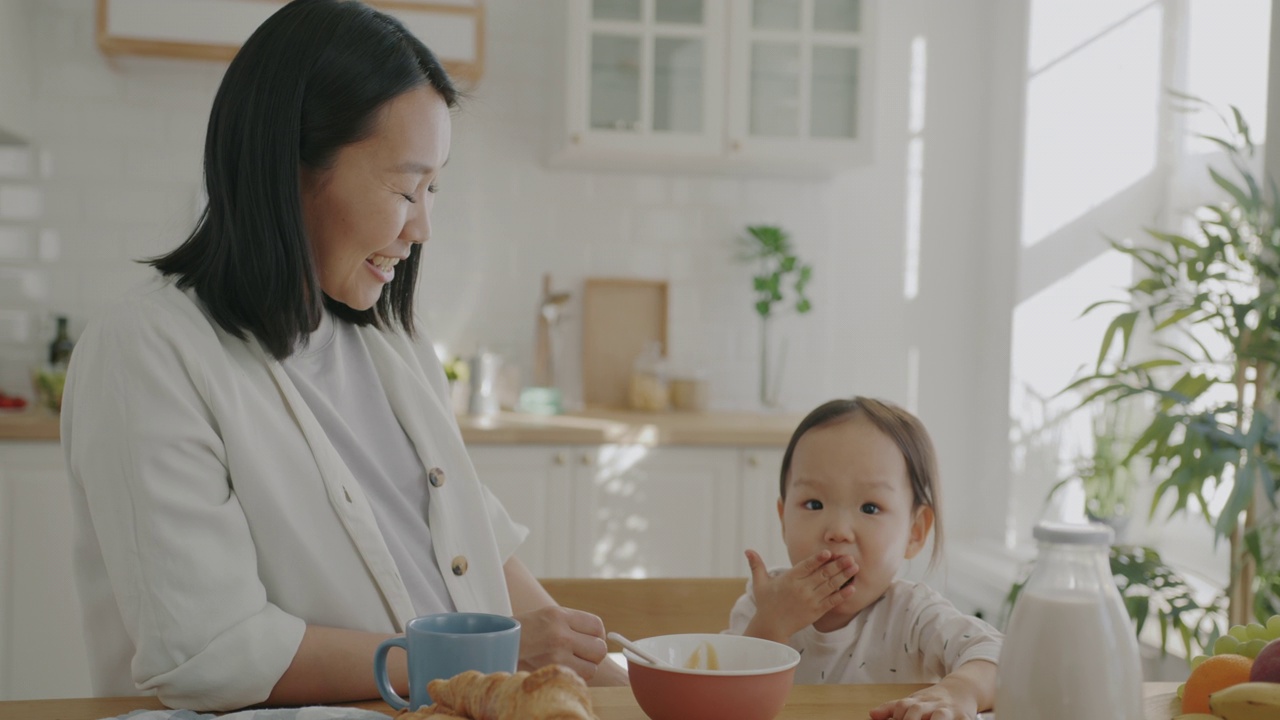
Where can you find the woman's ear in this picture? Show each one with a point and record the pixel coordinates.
(781, 521)
(920, 527)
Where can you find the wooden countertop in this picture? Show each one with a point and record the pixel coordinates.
(598, 427)
(30, 424)
(590, 427)
(807, 702)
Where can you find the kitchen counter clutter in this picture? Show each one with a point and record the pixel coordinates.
(591, 427)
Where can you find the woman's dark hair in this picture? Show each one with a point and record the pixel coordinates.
(904, 429)
(309, 81)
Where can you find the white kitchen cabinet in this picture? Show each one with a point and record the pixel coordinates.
(638, 511)
(42, 650)
(798, 81)
(593, 511)
(645, 76)
(535, 485)
(774, 86)
(761, 530)
(656, 512)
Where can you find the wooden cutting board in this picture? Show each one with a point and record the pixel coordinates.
(620, 317)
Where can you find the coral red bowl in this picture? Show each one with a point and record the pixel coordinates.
(752, 681)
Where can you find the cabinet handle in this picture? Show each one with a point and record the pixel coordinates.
(736, 146)
(576, 138)
(752, 461)
(559, 458)
(585, 459)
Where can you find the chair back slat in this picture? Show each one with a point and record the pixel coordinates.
(640, 608)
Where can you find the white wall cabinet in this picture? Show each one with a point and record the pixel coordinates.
(777, 86)
(215, 29)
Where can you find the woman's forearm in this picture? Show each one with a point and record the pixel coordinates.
(334, 665)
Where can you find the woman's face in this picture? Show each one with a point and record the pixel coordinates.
(364, 212)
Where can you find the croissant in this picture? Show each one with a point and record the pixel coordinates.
(553, 692)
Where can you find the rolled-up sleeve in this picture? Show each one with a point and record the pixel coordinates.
(146, 451)
(508, 533)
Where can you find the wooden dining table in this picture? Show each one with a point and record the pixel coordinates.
(807, 702)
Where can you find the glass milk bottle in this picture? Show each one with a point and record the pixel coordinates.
(1070, 651)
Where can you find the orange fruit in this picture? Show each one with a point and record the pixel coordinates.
(1212, 675)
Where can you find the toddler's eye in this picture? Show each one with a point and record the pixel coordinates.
(812, 504)
(870, 508)
(433, 188)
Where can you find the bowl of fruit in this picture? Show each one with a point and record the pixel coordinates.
(1240, 679)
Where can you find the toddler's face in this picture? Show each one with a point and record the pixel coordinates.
(849, 493)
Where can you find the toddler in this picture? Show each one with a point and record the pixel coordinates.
(859, 495)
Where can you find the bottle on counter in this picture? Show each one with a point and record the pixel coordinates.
(62, 345)
(1070, 651)
(648, 390)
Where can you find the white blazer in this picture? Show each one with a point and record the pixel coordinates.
(215, 519)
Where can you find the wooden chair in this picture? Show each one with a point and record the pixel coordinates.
(652, 606)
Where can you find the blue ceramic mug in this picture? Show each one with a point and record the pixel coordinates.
(441, 646)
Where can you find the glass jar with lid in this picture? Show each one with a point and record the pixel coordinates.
(1070, 651)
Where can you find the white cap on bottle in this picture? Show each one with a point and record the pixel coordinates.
(1073, 533)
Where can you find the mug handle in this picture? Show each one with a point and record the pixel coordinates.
(380, 672)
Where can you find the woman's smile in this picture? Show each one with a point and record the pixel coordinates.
(383, 266)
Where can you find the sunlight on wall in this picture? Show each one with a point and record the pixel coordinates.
(1058, 28)
(1092, 108)
(915, 166)
(1052, 345)
(1227, 39)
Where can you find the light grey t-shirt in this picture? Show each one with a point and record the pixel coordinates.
(335, 375)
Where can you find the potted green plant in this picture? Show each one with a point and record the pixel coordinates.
(779, 274)
(1212, 302)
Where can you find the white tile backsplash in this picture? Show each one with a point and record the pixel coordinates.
(20, 202)
(15, 161)
(16, 244)
(16, 327)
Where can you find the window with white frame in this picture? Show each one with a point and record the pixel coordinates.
(1105, 155)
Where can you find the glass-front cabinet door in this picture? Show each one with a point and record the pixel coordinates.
(647, 74)
(798, 77)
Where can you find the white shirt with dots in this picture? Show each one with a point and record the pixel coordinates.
(910, 635)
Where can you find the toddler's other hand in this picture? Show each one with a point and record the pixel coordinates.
(799, 597)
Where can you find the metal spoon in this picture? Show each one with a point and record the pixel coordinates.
(643, 655)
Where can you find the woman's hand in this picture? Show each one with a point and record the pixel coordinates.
(554, 634)
(959, 696)
(797, 598)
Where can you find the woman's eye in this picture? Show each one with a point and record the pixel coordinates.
(812, 504)
(870, 508)
(409, 197)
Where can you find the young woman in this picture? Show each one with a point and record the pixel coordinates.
(266, 472)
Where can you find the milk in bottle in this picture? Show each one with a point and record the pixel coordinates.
(1070, 651)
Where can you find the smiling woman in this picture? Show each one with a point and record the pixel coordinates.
(264, 465)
